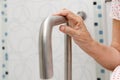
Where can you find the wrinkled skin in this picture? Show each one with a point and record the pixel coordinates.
(76, 29)
(107, 56)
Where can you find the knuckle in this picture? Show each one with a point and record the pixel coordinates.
(80, 18)
(69, 12)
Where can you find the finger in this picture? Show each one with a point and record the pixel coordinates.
(68, 30)
(71, 17)
(77, 27)
(60, 13)
(66, 13)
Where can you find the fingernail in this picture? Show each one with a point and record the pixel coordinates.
(62, 28)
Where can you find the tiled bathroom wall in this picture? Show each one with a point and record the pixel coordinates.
(3, 40)
(20, 22)
(102, 30)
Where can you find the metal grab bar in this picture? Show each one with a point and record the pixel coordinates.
(46, 63)
(107, 1)
(45, 48)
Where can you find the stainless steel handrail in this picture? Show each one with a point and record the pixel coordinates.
(45, 48)
(108, 1)
(46, 63)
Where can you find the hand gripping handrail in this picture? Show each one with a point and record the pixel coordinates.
(45, 48)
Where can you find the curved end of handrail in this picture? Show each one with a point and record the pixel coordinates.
(45, 48)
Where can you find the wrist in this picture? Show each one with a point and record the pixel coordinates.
(90, 46)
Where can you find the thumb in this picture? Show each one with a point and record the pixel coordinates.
(68, 30)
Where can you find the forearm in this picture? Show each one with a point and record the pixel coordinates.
(107, 56)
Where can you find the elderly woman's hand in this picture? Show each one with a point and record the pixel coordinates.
(107, 56)
(76, 29)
